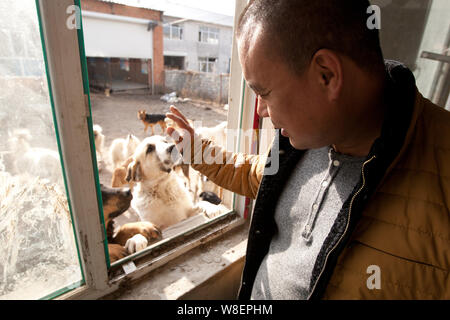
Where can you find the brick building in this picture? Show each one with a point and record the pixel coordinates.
(124, 46)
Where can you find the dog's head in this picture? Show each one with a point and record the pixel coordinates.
(154, 157)
(115, 201)
(141, 114)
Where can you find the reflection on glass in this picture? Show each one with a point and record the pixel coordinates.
(38, 254)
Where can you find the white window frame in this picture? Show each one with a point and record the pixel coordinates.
(72, 114)
(210, 65)
(209, 34)
(172, 28)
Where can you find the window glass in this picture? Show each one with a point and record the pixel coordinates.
(209, 35)
(38, 253)
(417, 33)
(129, 106)
(207, 64)
(173, 31)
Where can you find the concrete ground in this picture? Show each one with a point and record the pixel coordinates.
(117, 115)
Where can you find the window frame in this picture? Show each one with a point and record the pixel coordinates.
(171, 27)
(210, 65)
(205, 32)
(70, 99)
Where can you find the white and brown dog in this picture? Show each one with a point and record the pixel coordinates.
(130, 237)
(159, 195)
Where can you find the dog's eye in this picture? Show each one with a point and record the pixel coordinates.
(150, 148)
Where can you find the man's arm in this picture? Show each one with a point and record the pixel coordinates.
(237, 172)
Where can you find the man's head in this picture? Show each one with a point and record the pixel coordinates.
(301, 57)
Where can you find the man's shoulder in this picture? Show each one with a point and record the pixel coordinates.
(436, 119)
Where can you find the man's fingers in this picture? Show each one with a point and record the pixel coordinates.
(177, 120)
(180, 122)
(178, 113)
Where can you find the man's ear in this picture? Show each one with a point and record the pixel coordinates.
(134, 172)
(328, 71)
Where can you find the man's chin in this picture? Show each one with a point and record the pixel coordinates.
(296, 145)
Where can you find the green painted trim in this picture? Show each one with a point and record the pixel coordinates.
(62, 291)
(58, 140)
(84, 70)
(240, 128)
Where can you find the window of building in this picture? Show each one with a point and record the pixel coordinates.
(208, 35)
(174, 63)
(207, 64)
(173, 31)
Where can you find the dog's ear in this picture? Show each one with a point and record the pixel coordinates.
(134, 172)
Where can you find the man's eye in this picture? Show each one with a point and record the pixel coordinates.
(265, 94)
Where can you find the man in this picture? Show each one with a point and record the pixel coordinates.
(360, 206)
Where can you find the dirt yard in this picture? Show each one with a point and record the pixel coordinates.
(117, 115)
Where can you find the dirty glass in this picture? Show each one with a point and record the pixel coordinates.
(38, 253)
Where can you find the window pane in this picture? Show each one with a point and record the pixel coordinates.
(166, 31)
(38, 254)
(176, 33)
(410, 30)
(146, 100)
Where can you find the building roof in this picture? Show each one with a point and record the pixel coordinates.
(179, 11)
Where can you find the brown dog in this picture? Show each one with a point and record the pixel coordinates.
(152, 120)
(119, 176)
(115, 202)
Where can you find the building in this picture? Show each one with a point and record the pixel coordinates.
(194, 39)
(197, 40)
(124, 46)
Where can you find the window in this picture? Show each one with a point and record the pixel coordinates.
(208, 35)
(174, 63)
(417, 33)
(88, 161)
(123, 129)
(38, 255)
(173, 31)
(207, 64)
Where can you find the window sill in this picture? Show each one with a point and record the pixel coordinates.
(209, 271)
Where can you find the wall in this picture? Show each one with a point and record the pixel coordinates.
(198, 85)
(141, 13)
(107, 38)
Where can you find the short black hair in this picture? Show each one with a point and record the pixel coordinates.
(297, 29)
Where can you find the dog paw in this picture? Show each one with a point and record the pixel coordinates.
(116, 252)
(135, 244)
(143, 228)
(210, 210)
(149, 230)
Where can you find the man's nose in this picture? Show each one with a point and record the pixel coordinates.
(262, 108)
